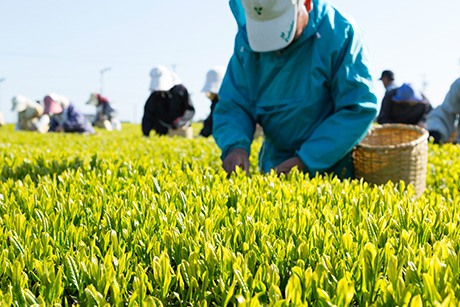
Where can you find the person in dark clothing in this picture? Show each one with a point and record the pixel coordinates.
(207, 124)
(169, 105)
(387, 79)
(211, 87)
(404, 105)
(167, 109)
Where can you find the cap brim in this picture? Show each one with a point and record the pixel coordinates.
(272, 34)
(207, 87)
(160, 85)
(53, 108)
(93, 101)
(19, 107)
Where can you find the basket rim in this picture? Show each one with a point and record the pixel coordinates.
(422, 131)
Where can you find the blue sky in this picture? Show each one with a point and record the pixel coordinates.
(60, 46)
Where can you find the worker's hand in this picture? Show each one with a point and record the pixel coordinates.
(237, 157)
(286, 166)
(59, 129)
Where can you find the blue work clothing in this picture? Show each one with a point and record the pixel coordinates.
(72, 120)
(315, 100)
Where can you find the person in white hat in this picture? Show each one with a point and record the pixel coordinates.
(299, 69)
(29, 111)
(106, 113)
(64, 116)
(169, 104)
(211, 87)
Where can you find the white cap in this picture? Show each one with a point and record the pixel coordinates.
(162, 79)
(214, 79)
(20, 103)
(271, 24)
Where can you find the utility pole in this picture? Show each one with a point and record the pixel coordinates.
(104, 70)
(1, 81)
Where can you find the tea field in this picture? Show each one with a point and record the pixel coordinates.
(117, 219)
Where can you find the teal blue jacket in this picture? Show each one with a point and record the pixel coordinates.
(314, 101)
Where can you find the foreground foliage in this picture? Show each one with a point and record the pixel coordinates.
(119, 219)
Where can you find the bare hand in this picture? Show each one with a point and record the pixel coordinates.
(286, 166)
(59, 129)
(237, 157)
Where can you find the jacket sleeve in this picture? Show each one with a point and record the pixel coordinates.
(38, 111)
(149, 119)
(110, 111)
(442, 118)
(181, 110)
(385, 110)
(53, 125)
(355, 107)
(43, 123)
(428, 109)
(207, 124)
(233, 121)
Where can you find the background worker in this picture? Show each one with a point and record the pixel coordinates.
(211, 87)
(299, 69)
(64, 116)
(106, 113)
(442, 120)
(29, 112)
(388, 78)
(404, 105)
(169, 105)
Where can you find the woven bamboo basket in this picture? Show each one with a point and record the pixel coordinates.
(393, 152)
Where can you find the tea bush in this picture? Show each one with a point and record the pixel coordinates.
(117, 219)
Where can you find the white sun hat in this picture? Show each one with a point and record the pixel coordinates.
(176, 79)
(214, 79)
(162, 79)
(271, 24)
(93, 99)
(20, 103)
(61, 100)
